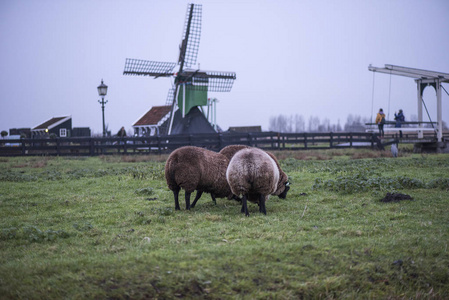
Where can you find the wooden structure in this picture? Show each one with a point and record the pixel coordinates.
(216, 141)
(57, 126)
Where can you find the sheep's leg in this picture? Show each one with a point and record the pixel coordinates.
(261, 203)
(197, 197)
(176, 194)
(236, 198)
(213, 198)
(187, 201)
(262, 207)
(244, 206)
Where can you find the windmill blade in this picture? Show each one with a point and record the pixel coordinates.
(170, 96)
(190, 43)
(215, 84)
(148, 68)
(214, 81)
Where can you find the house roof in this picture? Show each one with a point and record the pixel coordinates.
(153, 116)
(52, 123)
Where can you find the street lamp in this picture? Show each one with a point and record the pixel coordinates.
(102, 91)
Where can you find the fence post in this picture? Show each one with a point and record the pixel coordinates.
(158, 146)
(220, 141)
(305, 140)
(279, 141)
(102, 143)
(23, 147)
(331, 139)
(57, 146)
(92, 148)
(350, 139)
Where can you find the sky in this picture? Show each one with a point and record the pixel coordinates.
(291, 57)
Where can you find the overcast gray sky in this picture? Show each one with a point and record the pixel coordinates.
(291, 57)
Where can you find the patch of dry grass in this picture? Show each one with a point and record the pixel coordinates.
(33, 162)
(134, 158)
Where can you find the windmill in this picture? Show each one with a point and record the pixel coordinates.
(191, 85)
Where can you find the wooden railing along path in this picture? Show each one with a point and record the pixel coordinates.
(91, 146)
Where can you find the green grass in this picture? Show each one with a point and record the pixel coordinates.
(105, 227)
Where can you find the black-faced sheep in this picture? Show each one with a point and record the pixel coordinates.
(254, 174)
(193, 168)
(231, 150)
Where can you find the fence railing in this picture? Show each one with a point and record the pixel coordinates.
(91, 146)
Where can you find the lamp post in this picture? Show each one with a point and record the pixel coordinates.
(102, 91)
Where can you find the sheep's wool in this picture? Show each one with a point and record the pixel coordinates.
(252, 171)
(193, 168)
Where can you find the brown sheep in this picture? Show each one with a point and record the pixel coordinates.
(193, 168)
(254, 174)
(231, 150)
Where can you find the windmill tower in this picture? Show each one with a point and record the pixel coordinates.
(190, 86)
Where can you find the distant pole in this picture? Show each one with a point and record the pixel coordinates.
(102, 91)
(215, 114)
(102, 102)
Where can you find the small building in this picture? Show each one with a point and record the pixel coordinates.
(59, 126)
(245, 129)
(81, 132)
(154, 122)
(23, 132)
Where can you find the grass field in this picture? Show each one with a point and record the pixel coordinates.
(105, 227)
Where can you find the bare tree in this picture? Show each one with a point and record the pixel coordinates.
(325, 126)
(297, 123)
(314, 123)
(300, 125)
(283, 123)
(272, 126)
(289, 127)
(355, 123)
(338, 128)
(279, 124)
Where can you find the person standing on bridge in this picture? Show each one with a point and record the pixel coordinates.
(399, 118)
(380, 121)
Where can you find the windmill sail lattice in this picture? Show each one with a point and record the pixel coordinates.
(148, 68)
(190, 85)
(191, 36)
(170, 96)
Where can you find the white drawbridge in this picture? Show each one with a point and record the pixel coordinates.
(423, 78)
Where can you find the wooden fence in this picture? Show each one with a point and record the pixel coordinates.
(91, 146)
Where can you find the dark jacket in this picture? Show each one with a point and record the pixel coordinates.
(399, 119)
